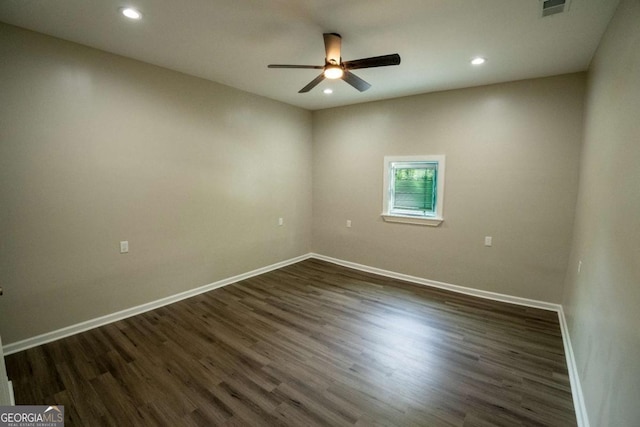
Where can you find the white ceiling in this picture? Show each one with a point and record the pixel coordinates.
(232, 41)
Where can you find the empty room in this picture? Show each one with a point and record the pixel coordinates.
(320, 213)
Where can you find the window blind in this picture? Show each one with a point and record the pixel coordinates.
(415, 187)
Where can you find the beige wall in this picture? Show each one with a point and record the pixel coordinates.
(96, 148)
(602, 302)
(512, 153)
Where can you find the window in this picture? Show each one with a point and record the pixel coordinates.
(413, 189)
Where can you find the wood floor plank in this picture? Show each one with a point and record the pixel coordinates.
(311, 344)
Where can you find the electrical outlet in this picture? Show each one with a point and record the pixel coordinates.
(280, 221)
(348, 223)
(124, 247)
(488, 240)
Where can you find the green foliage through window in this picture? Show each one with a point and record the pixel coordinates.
(414, 187)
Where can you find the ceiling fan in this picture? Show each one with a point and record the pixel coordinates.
(335, 68)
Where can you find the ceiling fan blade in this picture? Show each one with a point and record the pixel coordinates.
(332, 46)
(312, 84)
(355, 81)
(314, 67)
(376, 61)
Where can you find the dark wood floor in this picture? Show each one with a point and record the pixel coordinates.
(309, 344)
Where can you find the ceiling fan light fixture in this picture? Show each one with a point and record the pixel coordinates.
(478, 60)
(333, 72)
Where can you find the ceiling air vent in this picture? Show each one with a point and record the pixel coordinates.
(551, 7)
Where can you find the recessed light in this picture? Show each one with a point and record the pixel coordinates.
(131, 13)
(478, 60)
(328, 91)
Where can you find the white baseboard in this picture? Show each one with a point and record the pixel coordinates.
(110, 318)
(441, 285)
(6, 387)
(576, 387)
(12, 397)
(578, 398)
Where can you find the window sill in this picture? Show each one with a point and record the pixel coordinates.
(416, 220)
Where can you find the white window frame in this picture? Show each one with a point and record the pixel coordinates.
(430, 220)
